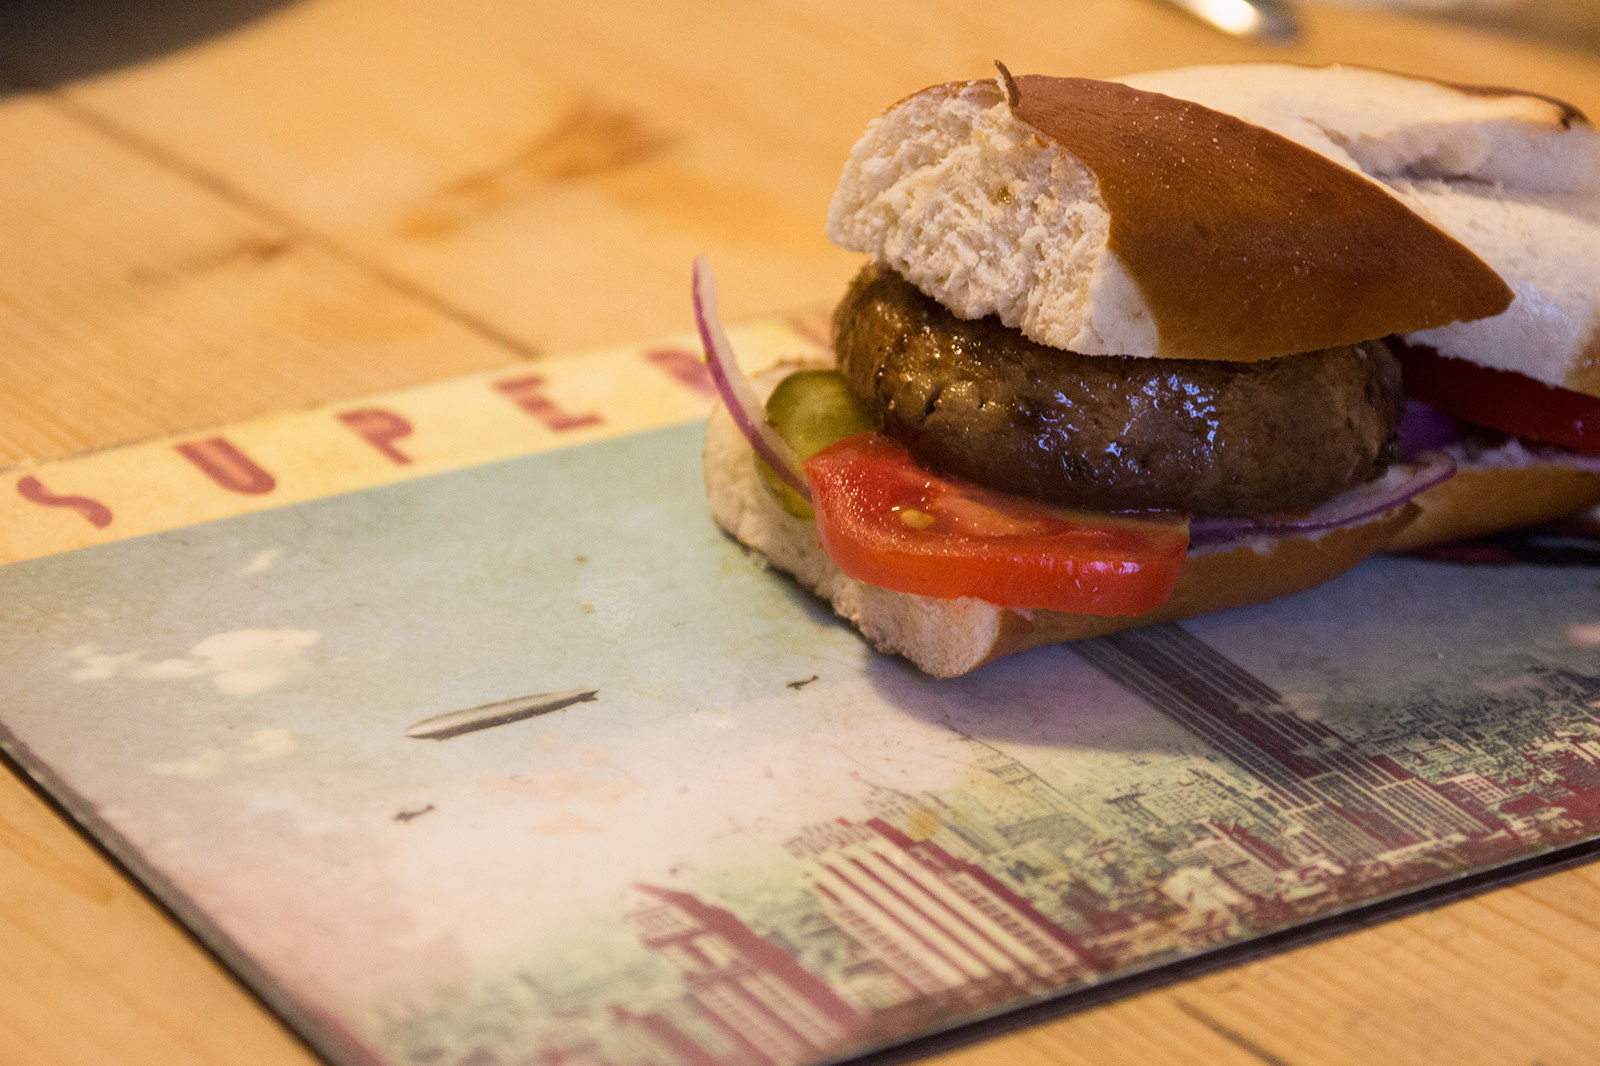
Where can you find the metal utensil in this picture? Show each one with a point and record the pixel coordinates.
(1267, 20)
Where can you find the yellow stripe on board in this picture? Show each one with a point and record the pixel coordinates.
(289, 457)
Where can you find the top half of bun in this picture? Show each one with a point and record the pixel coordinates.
(1107, 218)
(1514, 176)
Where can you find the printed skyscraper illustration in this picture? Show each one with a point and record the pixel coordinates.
(1012, 888)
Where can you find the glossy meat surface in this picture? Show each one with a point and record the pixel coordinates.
(978, 400)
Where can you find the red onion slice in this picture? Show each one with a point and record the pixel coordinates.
(749, 414)
(1398, 485)
(1424, 428)
(1491, 451)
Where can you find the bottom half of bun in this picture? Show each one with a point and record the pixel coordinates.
(946, 638)
(1501, 487)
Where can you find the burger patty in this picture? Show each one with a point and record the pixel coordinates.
(978, 400)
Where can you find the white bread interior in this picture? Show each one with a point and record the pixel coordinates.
(922, 192)
(947, 638)
(1513, 176)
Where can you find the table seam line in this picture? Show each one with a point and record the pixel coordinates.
(168, 158)
(1231, 1035)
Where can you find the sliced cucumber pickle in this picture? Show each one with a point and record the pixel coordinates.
(810, 409)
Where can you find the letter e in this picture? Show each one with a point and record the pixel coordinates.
(528, 394)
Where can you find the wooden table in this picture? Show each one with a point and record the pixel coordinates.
(243, 205)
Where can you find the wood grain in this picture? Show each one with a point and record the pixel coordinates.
(332, 197)
(96, 973)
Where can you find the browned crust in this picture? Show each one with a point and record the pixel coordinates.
(1481, 500)
(1245, 244)
(948, 89)
(1566, 115)
(1217, 581)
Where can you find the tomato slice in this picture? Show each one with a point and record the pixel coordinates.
(886, 521)
(1502, 399)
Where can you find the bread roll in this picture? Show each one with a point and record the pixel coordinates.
(947, 638)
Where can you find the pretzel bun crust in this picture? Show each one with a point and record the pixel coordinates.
(1502, 488)
(947, 638)
(1112, 220)
(1514, 176)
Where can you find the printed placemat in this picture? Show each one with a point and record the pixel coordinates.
(452, 724)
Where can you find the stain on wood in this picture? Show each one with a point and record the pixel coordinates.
(247, 251)
(589, 140)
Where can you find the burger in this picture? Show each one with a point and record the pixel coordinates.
(1132, 351)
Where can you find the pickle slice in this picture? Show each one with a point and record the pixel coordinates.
(810, 409)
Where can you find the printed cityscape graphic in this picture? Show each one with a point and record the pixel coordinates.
(949, 903)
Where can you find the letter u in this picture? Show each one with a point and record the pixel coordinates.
(222, 462)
